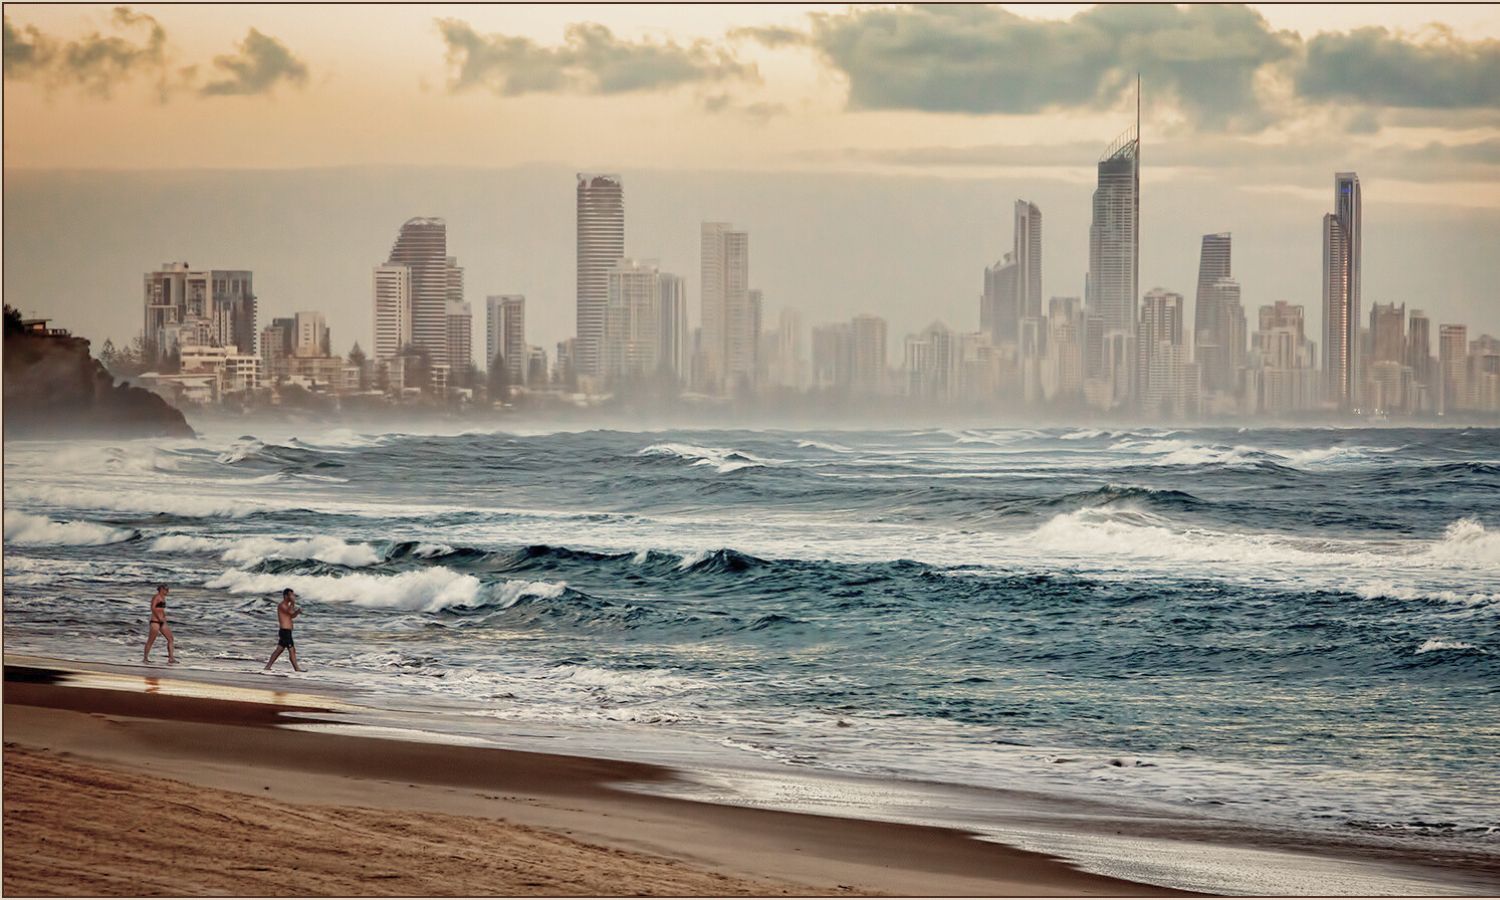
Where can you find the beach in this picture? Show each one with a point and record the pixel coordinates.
(118, 791)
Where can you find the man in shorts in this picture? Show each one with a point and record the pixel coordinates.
(286, 611)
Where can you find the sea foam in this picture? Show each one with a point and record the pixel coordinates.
(425, 590)
(27, 530)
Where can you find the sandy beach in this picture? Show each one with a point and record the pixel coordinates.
(128, 792)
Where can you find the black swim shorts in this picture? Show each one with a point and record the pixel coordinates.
(284, 637)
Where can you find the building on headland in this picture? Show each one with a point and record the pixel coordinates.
(932, 363)
(199, 307)
(422, 247)
(460, 336)
(311, 338)
(1341, 293)
(833, 356)
(999, 311)
(600, 211)
(505, 335)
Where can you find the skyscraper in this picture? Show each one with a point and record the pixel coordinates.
(1388, 333)
(601, 244)
(1419, 351)
(867, 353)
(1159, 350)
(999, 310)
(1114, 245)
(422, 246)
(460, 336)
(727, 317)
(632, 324)
(392, 290)
(1341, 257)
(311, 335)
(1028, 256)
(672, 348)
(1209, 340)
(1113, 286)
(505, 333)
(1453, 362)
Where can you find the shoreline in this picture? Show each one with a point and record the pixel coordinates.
(222, 748)
(602, 798)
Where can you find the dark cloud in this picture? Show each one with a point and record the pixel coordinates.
(771, 36)
(981, 59)
(98, 63)
(1376, 66)
(261, 63)
(591, 60)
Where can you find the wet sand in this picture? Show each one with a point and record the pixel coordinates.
(128, 792)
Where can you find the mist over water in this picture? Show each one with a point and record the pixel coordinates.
(1293, 626)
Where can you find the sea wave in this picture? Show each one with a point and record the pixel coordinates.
(1432, 645)
(25, 529)
(251, 550)
(172, 503)
(724, 460)
(423, 590)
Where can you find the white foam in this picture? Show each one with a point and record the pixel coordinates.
(28, 530)
(724, 460)
(425, 590)
(149, 502)
(251, 550)
(1434, 644)
(427, 551)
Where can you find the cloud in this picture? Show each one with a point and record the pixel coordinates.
(1373, 65)
(760, 112)
(259, 65)
(771, 36)
(98, 63)
(591, 60)
(981, 59)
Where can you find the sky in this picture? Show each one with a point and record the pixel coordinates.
(874, 152)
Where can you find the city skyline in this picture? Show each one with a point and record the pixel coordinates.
(514, 248)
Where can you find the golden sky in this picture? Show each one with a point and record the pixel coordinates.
(869, 88)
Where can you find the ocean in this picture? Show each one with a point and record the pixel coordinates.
(1291, 627)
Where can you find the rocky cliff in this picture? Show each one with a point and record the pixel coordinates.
(55, 388)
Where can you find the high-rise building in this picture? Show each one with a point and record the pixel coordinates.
(311, 335)
(673, 348)
(392, 290)
(833, 355)
(1419, 352)
(460, 336)
(786, 364)
(932, 363)
(1341, 266)
(632, 323)
(1388, 333)
(1114, 243)
(1286, 360)
(505, 333)
(601, 244)
(1063, 384)
(867, 360)
(1453, 352)
(1028, 256)
(422, 246)
(1158, 341)
(278, 342)
(1210, 341)
(729, 341)
(199, 307)
(999, 308)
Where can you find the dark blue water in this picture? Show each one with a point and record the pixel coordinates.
(1294, 626)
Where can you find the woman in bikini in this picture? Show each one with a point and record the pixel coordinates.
(159, 625)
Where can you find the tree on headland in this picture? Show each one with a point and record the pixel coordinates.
(499, 379)
(418, 367)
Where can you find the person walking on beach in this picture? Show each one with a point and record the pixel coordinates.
(286, 611)
(159, 626)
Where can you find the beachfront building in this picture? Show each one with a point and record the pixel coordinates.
(422, 248)
(505, 334)
(600, 210)
(1341, 283)
(392, 293)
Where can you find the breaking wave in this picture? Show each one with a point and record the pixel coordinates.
(28, 530)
